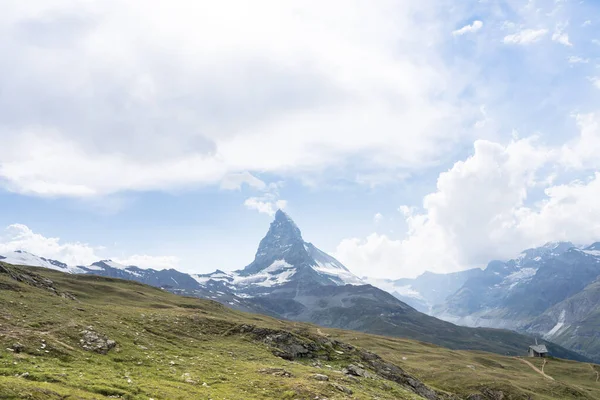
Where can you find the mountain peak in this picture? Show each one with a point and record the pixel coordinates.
(284, 229)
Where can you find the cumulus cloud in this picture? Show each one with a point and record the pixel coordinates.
(472, 28)
(526, 36)
(481, 209)
(89, 105)
(21, 237)
(265, 204)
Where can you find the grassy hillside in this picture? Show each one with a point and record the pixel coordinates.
(172, 347)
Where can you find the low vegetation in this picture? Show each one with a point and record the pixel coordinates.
(87, 337)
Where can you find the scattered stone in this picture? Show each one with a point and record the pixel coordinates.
(320, 377)
(276, 372)
(18, 347)
(488, 394)
(342, 389)
(302, 345)
(31, 278)
(93, 341)
(186, 377)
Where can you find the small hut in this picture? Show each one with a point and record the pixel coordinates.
(538, 350)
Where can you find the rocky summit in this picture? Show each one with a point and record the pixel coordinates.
(292, 279)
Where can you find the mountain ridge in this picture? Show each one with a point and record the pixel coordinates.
(292, 279)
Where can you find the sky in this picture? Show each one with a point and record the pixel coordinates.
(401, 136)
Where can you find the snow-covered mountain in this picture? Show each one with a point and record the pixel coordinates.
(510, 294)
(282, 258)
(292, 279)
(20, 257)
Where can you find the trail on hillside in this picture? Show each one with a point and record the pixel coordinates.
(536, 369)
(597, 373)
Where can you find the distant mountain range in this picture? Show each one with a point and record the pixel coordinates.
(292, 279)
(552, 291)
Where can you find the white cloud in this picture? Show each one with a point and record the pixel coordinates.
(482, 209)
(562, 38)
(526, 36)
(474, 27)
(21, 237)
(587, 23)
(582, 152)
(595, 81)
(265, 204)
(235, 181)
(377, 218)
(257, 88)
(578, 60)
(146, 261)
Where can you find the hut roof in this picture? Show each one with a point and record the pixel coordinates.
(539, 348)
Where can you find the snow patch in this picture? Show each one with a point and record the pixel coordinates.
(332, 269)
(558, 326)
(521, 276)
(24, 258)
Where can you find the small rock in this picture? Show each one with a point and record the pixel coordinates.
(276, 372)
(18, 347)
(320, 377)
(342, 389)
(354, 370)
(93, 341)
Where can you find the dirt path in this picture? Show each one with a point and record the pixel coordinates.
(536, 369)
(597, 373)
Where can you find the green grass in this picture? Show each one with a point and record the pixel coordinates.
(172, 347)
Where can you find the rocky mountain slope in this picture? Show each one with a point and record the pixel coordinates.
(574, 322)
(83, 336)
(292, 279)
(548, 291)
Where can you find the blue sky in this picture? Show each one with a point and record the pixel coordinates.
(402, 137)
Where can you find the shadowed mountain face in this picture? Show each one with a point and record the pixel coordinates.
(292, 279)
(550, 291)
